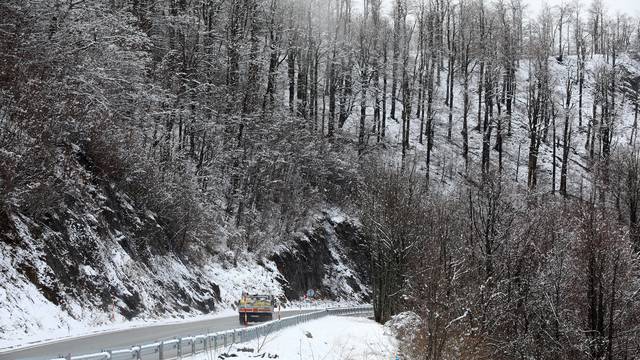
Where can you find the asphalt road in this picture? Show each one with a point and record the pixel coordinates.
(125, 338)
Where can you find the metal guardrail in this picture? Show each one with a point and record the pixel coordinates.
(193, 345)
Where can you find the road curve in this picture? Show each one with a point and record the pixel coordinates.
(125, 338)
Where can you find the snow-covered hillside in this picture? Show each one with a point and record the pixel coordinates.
(447, 163)
(88, 269)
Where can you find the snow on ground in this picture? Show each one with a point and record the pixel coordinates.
(328, 338)
(447, 164)
(36, 306)
(78, 328)
(247, 276)
(403, 326)
(67, 327)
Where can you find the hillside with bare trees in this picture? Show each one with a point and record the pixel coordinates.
(484, 156)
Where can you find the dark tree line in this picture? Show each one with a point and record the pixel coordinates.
(495, 275)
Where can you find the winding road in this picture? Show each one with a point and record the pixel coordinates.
(125, 338)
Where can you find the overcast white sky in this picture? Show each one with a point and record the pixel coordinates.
(630, 7)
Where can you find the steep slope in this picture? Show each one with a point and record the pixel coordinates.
(329, 259)
(447, 164)
(98, 260)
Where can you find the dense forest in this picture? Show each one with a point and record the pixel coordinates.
(489, 153)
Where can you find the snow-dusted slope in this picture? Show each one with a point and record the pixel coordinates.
(165, 288)
(447, 163)
(95, 264)
(326, 258)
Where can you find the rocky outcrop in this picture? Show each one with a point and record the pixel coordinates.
(329, 257)
(98, 257)
(93, 258)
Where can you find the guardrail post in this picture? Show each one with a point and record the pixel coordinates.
(193, 346)
(179, 349)
(234, 336)
(161, 351)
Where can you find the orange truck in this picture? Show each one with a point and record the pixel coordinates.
(254, 308)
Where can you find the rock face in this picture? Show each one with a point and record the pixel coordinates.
(92, 259)
(328, 258)
(98, 257)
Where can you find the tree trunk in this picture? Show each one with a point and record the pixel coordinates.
(291, 63)
(480, 87)
(452, 58)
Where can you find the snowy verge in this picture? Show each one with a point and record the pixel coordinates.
(80, 332)
(328, 338)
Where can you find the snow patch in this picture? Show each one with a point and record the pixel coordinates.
(328, 338)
